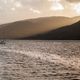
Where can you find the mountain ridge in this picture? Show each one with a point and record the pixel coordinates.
(27, 28)
(71, 32)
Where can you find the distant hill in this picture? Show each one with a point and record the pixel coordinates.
(40, 28)
(71, 32)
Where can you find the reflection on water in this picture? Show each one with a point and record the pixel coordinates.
(40, 60)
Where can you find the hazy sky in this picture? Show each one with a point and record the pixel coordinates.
(12, 10)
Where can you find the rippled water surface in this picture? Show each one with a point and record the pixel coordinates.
(40, 60)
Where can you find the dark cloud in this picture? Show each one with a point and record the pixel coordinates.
(73, 1)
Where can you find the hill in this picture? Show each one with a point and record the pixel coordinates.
(32, 27)
(71, 32)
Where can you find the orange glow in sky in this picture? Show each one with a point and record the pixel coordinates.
(13, 10)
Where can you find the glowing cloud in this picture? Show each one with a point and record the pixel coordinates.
(57, 6)
(13, 9)
(35, 11)
(18, 4)
(77, 8)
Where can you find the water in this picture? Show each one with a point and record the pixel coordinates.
(40, 60)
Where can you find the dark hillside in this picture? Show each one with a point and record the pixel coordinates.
(71, 32)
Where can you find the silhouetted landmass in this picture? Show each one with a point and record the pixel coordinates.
(71, 32)
(38, 27)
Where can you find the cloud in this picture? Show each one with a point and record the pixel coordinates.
(13, 9)
(18, 4)
(77, 8)
(57, 6)
(73, 1)
(35, 11)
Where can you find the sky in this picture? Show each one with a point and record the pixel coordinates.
(14, 10)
